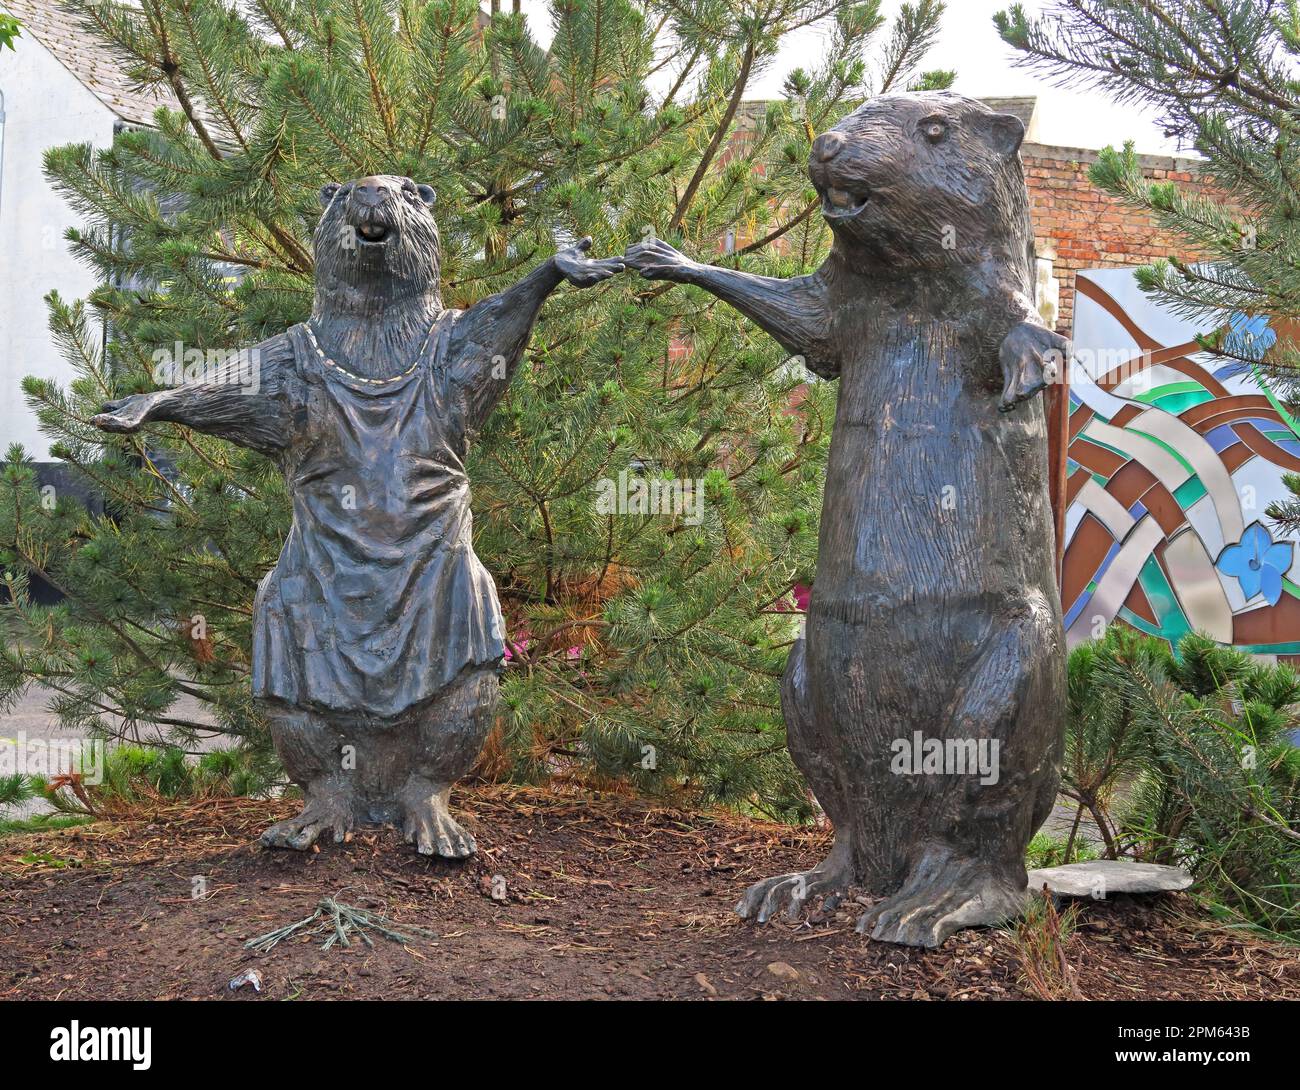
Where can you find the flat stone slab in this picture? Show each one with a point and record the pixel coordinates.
(1101, 877)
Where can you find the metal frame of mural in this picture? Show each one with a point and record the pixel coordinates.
(1173, 456)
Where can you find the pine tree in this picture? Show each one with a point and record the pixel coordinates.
(644, 647)
(1185, 759)
(1222, 76)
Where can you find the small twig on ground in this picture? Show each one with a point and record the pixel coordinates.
(338, 921)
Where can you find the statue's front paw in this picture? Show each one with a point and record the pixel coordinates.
(123, 415)
(1032, 358)
(656, 260)
(580, 270)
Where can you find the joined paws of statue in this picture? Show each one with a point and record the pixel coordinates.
(656, 260)
(580, 270)
(1032, 358)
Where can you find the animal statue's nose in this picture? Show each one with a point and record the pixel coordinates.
(369, 193)
(828, 145)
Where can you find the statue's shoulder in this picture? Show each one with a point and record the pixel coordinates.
(276, 349)
(448, 332)
(274, 360)
(451, 317)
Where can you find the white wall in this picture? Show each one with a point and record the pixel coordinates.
(45, 106)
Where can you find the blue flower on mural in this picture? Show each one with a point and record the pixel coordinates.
(1249, 338)
(1258, 563)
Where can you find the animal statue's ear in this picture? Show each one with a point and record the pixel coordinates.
(327, 193)
(427, 194)
(1006, 132)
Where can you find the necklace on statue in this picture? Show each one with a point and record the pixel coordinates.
(311, 335)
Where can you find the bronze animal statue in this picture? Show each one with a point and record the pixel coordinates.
(377, 635)
(933, 635)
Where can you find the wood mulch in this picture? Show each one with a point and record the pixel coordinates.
(572, 896)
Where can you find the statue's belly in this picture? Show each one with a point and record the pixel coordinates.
(930, 492)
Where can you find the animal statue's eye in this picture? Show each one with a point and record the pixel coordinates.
(934, 129)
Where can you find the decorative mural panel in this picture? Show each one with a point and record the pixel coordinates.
(1174, 454)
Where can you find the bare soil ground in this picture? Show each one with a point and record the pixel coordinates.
(605, 897)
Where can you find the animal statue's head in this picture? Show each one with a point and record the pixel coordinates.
(376, 244)
(922, 179)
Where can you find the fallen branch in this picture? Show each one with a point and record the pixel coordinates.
(337, 921)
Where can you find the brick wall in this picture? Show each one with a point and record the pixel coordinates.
(1078, 226)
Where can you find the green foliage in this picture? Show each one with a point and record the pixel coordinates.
(41, 823)
(1188, 760)
(136, 774)
(129, 771)
(16, 789)
(10, 29)
(1103, 746)
(1046, 850)
(643, 647)
(129, 776)
(1222, 79)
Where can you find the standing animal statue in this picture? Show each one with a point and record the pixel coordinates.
(377, 636)
(926, 703)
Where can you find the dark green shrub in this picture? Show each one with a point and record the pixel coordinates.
(1186, 759)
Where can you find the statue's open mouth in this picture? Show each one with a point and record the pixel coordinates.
(842, 203)
(372, 233)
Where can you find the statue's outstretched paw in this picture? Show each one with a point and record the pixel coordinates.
(937, 901)
(325, 812)
(428, 825)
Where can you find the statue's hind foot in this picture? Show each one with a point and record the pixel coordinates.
(329, 809)
(944, 894)
(428, 824)
(831, 877)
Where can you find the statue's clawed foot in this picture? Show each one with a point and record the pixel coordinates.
(942, 895)
(328, 809)
(427, 823)
(764, 899)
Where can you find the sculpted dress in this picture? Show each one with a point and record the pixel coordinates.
(377, 602)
